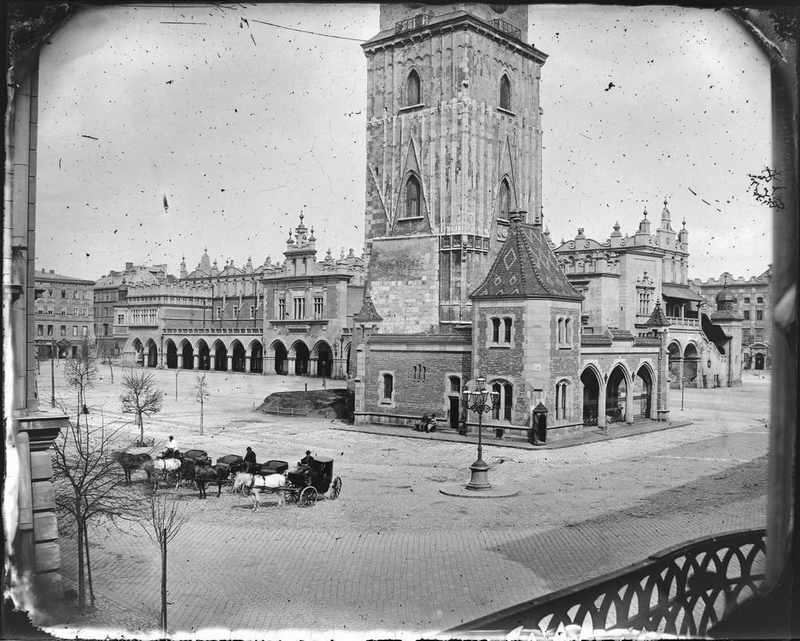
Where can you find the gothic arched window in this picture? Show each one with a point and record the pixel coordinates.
(413, 193)
(505, 93)
(505, 200)
(413, 93)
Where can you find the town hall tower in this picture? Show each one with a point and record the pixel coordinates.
(453, 145)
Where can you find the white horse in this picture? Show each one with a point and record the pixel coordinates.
(256, 484)
(162, 466)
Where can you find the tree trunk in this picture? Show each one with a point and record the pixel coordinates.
(141, 430)
(81, 579)
(88, 563)
(201, 412)
(164, 583)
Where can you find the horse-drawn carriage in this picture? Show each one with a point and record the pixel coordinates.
(311, 480)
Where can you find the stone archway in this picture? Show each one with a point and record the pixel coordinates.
(643, 393)
(617, 395)
(138, 350)
(279, 357)
(238, 357)
(203, 355)
(152, 354)
(324, 356)
(691, 360)
(172, 354)
(591, 396)
(256, 357)
(220, 357)
(301, 358)
(675, 364)
(187, 352)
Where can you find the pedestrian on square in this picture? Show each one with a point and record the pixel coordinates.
(250, 460)
(430, 425)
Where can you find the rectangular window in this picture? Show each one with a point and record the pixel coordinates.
(759, 314)
(318, 307)
(759, 300)
(388, 387)
(746, 299)
(39, 330)
(747, 314)
(105, 329)
(85, 330)
(507, 323)
(63, 293)
(281, 308)
(252, 311)
(49, 330)
(236, 311)
(219, 312)
(120, 319)
(495, 330)
(63, 330)
(74, 330)
(299, 308)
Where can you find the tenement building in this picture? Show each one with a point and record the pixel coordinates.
(64, 317)
(753, 303)
(294, 317)
(460, 283)
(111, 291)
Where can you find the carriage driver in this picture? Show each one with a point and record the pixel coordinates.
(172, 448)
(250, 461)
(307, 459)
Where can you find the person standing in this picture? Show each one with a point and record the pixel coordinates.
(250, 461)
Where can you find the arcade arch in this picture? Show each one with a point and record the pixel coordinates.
(238, 357)
(301, 355)
(220, 356)
(590, 378)
(256, 357)
(188, 354)
(172, 354)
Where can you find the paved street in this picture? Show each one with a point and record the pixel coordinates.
(393, 553)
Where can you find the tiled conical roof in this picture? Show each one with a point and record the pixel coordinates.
(526, 267)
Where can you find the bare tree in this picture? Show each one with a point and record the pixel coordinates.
(141, 397)
(89, 487)
(80, 375)
(164, 521)
(107, 354)
(201, 391)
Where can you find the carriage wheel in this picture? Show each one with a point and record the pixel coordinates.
(307, 497)
(336, 488)
(291, 494)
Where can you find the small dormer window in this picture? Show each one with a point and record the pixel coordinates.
(505, 93)
(413, 93)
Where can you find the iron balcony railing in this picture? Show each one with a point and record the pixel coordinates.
(414, 22)
(196, 331)
(507, 27)
(683, 591)
(678, 321)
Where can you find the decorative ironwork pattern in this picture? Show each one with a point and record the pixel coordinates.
(680, 591)
(507, 27)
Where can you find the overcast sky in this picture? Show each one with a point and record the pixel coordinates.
(241, 126)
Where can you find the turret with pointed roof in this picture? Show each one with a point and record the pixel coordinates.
(526, 267)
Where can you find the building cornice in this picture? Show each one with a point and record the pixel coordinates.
(463, 21)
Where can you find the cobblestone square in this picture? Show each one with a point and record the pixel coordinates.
(392, 553)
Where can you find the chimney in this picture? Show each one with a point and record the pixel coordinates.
(128, 266)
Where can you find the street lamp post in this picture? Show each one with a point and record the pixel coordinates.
(479, 400)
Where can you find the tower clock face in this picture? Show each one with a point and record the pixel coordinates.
(499, 8)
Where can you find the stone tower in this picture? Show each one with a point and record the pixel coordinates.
(453, 145)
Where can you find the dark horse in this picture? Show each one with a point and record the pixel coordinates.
(130, 462)
(205, 473)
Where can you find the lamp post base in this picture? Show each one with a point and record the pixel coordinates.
(479, 476)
